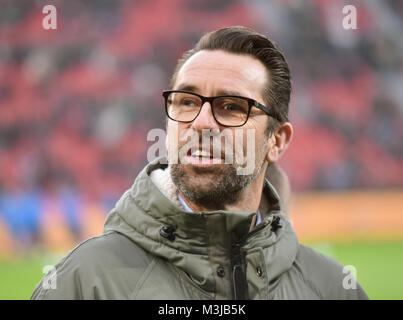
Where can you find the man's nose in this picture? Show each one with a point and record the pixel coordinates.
(205, 119)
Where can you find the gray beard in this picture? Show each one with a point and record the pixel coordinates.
(222, 191)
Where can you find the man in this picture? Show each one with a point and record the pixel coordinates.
(199, 227)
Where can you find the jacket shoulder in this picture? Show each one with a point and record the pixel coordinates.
(328, 278)
(110, 249)
(95, 269)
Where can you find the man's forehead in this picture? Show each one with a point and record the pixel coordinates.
(223, 66)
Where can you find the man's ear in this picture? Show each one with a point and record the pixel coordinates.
(279, 142)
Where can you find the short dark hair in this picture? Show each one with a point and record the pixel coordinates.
(242, 40)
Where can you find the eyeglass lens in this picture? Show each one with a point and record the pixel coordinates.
(229, 111)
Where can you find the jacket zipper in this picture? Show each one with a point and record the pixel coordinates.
(239, 283)
(238, 275)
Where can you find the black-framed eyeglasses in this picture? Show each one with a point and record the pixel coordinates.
(227, 110)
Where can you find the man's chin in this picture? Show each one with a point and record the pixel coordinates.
(208, 186)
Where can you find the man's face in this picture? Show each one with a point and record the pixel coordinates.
(211, 182)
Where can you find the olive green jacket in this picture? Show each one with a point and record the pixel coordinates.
(151, 248)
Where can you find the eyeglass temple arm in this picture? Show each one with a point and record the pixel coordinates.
(267, 110)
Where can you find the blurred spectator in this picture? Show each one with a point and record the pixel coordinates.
(76, 103)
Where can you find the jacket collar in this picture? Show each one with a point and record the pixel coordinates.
(144, 210)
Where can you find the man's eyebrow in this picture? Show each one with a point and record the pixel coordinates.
(228, 93)
(195, 89)
(188, 87)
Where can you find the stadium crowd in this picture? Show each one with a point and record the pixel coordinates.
(76, 103)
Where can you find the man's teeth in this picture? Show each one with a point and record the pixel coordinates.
(203, 154)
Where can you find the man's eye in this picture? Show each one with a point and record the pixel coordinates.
(188, 102)
(232, 107)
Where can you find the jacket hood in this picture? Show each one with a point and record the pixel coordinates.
(150, 206)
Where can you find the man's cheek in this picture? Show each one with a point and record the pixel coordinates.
(245, 153)
(172, 142)
(188, 141)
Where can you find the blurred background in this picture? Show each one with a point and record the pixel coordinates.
(76, 105)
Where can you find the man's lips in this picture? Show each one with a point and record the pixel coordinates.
(203, 162)
(202, 158)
